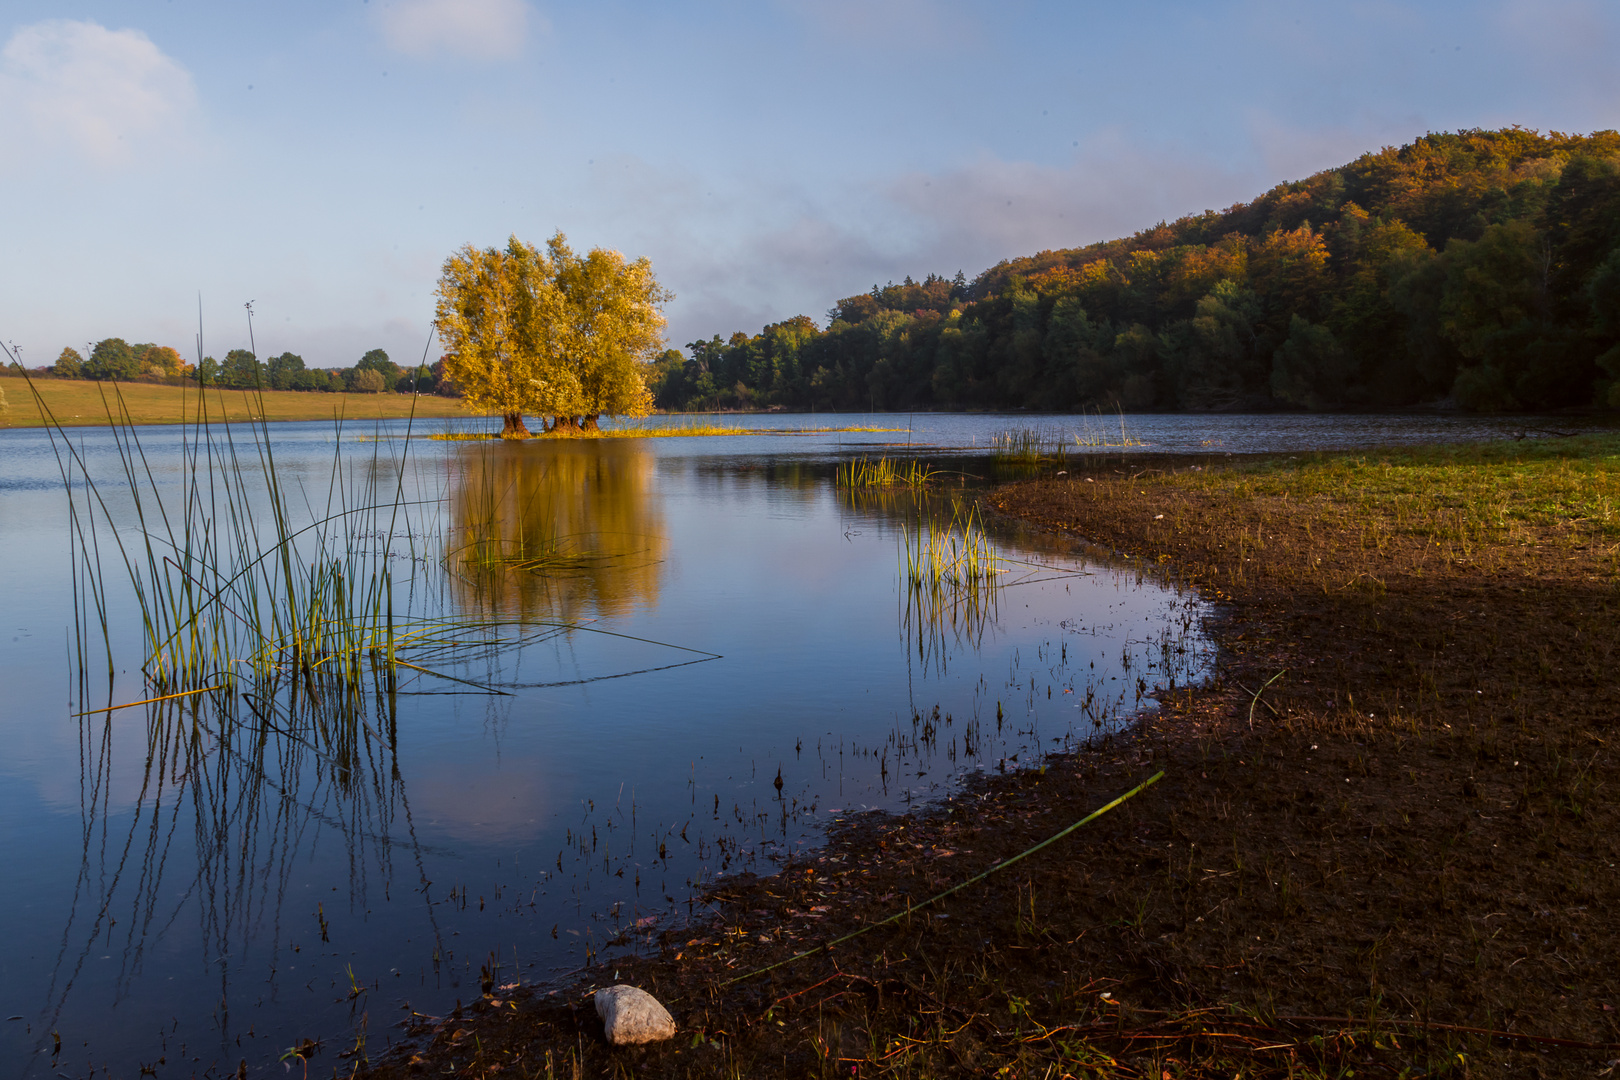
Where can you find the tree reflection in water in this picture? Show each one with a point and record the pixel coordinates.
(560, 531)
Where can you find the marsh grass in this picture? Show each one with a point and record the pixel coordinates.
(1101, 437)
(1027, 451)
(648, 428)
(864, 472)
(246, 586)
(1487, 507)
(948, 557)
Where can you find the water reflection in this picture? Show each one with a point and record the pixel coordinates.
(561, 531)
(229, 806)
(576, 766)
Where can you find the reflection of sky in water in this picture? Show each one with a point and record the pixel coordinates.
(470, 824)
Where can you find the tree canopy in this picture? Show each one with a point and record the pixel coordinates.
(549, 333)
(1479, 266)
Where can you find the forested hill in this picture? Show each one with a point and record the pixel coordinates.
(1482, 266)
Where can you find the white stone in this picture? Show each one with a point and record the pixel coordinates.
(632, 1016)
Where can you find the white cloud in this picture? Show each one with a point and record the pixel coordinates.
(105, 94)
(476, 29)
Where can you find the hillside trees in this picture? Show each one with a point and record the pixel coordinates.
(1478, 267)
(549, 332)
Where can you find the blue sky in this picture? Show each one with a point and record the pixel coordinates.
(322, 159)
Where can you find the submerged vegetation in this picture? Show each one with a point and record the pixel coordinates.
(1483, 266)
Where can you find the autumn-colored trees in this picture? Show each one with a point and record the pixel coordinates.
(1480, 266)
(549, 332)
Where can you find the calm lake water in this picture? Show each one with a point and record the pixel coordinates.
(184, 889)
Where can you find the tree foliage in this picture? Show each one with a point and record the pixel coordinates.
(69, 365)
(549, 333)
(112, 359)
(241, 370)
(1482, 266)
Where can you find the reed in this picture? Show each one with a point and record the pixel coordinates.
(1026, 451)
(1101, 437)
(863, 472)
(944, 557)
(243, 586)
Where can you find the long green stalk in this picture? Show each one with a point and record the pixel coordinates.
(911, 909)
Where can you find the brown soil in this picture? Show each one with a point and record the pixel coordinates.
(1398, 859)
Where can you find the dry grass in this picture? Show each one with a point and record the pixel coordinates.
(79, 403)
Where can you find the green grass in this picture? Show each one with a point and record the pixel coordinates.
(1026, 451)
(239, 595)
(1479, 499)
(865, 472)
(949, 556)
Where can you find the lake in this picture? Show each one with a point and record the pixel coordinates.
(639, 665)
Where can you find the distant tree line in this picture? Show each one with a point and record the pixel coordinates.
(114, 360)
(1481, 267)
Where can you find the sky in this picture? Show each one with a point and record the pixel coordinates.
(322, 159)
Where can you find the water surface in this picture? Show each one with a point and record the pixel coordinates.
(182, 894)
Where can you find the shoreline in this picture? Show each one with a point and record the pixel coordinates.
(1384, 826)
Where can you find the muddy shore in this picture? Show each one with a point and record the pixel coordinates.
(1385, 841)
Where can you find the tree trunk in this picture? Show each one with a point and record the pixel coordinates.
(513, 427)
(589, 423)
(564, 425)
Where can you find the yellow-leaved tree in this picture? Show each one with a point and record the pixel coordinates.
(549, 333)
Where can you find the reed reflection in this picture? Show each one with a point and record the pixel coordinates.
(558, 532)
(232, 803)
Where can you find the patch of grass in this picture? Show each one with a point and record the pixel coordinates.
(645, 429)
(943, 558)
(1027, 451)
(1096, 433)
(238, 594)
(864, 472)
(79, 403)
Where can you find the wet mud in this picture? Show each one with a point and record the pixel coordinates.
(1385, 840)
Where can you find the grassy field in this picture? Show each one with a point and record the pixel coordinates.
(1385, 842)
(77, 402)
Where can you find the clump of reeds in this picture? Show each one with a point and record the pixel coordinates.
(865, 472)
(240, 595)
(1023, 451)
(949, 556)
(1100, 438)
